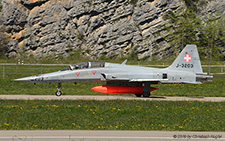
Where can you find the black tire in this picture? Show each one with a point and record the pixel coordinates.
(138, 95)
(58, 93)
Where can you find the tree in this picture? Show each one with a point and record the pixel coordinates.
(213, 37)
(184, 28)
(189, 28)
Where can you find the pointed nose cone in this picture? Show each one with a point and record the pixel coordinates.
(25, 79)
(100, 88)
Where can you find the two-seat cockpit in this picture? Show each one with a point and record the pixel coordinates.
(84, 65)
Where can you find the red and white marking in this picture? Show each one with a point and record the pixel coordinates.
(94, 72)
(187, 58)
(77, 73)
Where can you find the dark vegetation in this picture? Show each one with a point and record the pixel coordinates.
(207, 32)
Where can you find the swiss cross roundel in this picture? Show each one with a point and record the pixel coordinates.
(187, 58)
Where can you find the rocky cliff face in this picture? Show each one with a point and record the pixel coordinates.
(96, 27)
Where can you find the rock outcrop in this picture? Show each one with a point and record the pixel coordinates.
(96, 27)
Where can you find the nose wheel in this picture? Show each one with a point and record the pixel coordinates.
(58, 92)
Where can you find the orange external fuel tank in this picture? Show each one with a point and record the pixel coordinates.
(120, 89)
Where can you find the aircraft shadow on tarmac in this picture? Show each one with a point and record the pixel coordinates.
(162, 97)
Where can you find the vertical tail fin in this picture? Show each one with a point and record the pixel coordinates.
(188, 60)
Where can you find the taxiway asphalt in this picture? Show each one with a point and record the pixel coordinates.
(105, 97)
(105, 135)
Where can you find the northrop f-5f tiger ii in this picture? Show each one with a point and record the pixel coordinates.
(122, 78)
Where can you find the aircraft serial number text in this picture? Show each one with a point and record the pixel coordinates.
(184, 66)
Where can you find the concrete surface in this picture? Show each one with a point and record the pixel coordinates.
(105, 135)
(105, 97)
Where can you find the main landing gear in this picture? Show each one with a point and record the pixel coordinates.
(144, 95)
(58, 92)
(138, 95)
(146, 92)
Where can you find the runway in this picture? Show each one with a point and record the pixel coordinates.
(107, 97)
(105, 135)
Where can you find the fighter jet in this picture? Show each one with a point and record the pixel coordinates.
(122, 78)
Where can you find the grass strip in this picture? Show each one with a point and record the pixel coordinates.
(112, 115)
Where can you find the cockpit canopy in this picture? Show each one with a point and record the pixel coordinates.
(84, 65)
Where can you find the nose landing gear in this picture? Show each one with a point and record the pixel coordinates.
(58, 92)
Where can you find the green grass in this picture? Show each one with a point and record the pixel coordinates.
(8, 86)
(112, 115)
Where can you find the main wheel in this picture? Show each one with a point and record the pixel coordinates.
(58, 93)
(138, 95)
